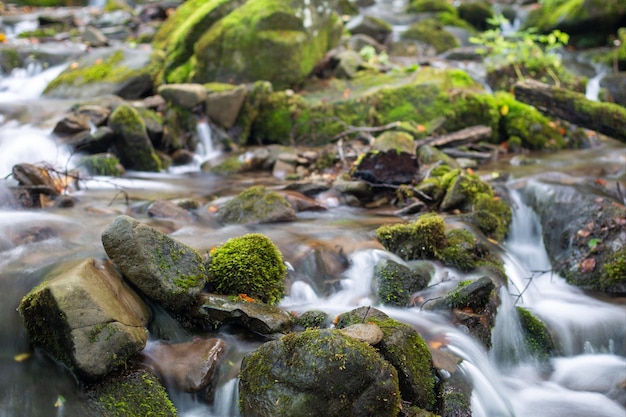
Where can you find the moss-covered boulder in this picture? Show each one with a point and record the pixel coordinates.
(405, 349)
(131, 392)
(132, 141)
(422, 6)
(390, 167)
(246, 41)
(256, 205)
(165, 270)
(396, 283)
(106, 164)
(250, 264)
(476, 13)
(86, 317)
(433, 33)
(318, 372)
(120, 71)
(589, 22)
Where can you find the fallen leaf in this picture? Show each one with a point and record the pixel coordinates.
(247, 298)
(421, 128)
(600, 181)
(587, 265)
(21, 357)
(346, 93)
(60, 401)
(583, 233)
(435, 344)
(504, 110)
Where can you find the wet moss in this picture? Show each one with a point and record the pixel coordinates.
(536, 334)
(421, 239)
(103, 164)
(250, 264)
(459, 250)
(614, 270)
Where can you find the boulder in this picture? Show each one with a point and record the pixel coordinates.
(223, 107)
(256, 205)
(85, 316)
(120, 71)
(132, 141)
(388, 167)
(186, 96)
(245, 41)
(318, 372)
(165, 270)
(405, 349)
(257, 316)
(396, 283)
(615, 86)
(189, 366)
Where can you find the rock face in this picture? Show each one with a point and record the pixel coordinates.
(86, 317)
(164, 269)
(318, 372)
(244, 41)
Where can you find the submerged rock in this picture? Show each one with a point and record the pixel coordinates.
(86, 317)
(318, 372)
(165, 270)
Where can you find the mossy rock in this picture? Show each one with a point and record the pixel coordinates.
(432, 32)
(132, 141)
(503, 77)
(536, 335)
(421, 239)
(405, 349)
(421, 6)
(250, 264)
(588, 22)
(122, 72)
(102, 164)
(476, 13)
(131, 392)
(246, 41)
(318, 372)
(396, 283)
(256, 205)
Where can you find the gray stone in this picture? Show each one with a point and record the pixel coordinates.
(87, 317)
(186, 96)
(223, 107)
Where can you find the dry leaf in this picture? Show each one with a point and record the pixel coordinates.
(587, 265)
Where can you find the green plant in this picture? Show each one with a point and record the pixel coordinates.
(525, 48)
(368, 53)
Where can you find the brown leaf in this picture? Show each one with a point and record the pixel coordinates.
(587, 265)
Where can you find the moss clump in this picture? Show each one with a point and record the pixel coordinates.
(457, 298)
(136, 392)
(614, 271)
(103, 164)
(432, 32)
(256, 205)
(250, 264)
(396, 282)
(459, 251)
(421, 239)
(421, 6)
(536, 334)
(313, 319)
(477, 13)
(535, 130)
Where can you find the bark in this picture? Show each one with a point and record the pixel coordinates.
(462, 137)
(606, 118)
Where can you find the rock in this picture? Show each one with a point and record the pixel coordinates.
(365, 332)
(93, 321)
(390, 167)
(165, 270)
(94, 37)
(403, 347)
(165, 209)
(72, 124)
(371, 26)
(105, 164)
(186, 96)
(257, 316)
(243, 41)
(131, 392)
(394, 141)
(347, 64)
(615, 86)
(34, 178)
(317, 372)
(312, 319)
(594, 227)
(396, 283)
(189, 366)
(430, 31)
(223, 107)
(119, 71)
(256, 205)
(131, 140)
(300, 202)
(360, 189)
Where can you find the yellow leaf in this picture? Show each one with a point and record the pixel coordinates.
(504, 110)
(21, 357)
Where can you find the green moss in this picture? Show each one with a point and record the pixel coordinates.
(456, 298)
(614, 270)
(459, 250)
(420, 6)
(103, 164)
(477, 13)
(432, 32)
(132, 393)
(396, 283)
(42, 32)
(250, 264)
(254, 205)
(313, 319)
(536, 334)
(421, 239)
(107, 70)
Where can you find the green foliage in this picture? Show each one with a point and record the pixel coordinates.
(368, 53)
(522, 48)
(250, 264)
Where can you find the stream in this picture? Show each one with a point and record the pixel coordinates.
(586, 379)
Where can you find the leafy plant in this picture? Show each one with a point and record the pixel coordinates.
(525, 47)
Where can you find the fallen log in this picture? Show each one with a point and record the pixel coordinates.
(461, 137)
(606, 118)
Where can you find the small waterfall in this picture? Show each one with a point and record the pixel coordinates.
(592, 90)
(27, 83)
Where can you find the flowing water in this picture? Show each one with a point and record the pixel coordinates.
(584, 379)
